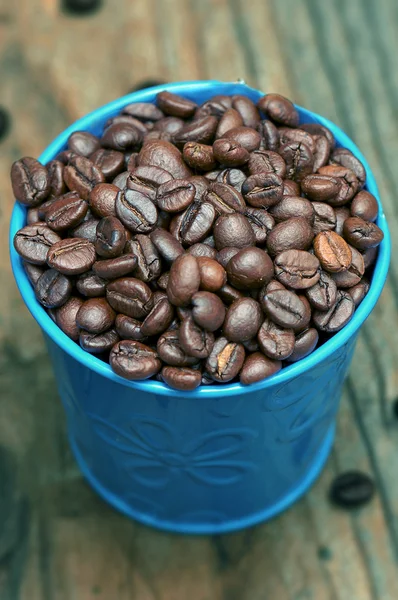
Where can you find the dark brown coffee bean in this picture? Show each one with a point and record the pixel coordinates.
(55, 170)
(86, 230)
(171, 352)
(230, 153)
(194, 224)
(291, 188)
(364, 206)
(184, 280)
(90, 285)
(263, 190)
(65, 156)
(247, 109)
(229, 294)
(30, 181)
(286, 309)
(369, 257)
(317, 129)
(102, 199)
(305, 343)
(279, 109)
(166, 244)
(269, 135)
(182, 379)
(295, 233)
(32, 216)
(148, 265)
(110, 162)
(224, 256)
(194, 340)
(216, 106)
(148, 179)
(71, 256)
(159, 319)
(175, 195)
(323, 294)
(348, 183)
(333, 252)
(345, 158)
(83, 143)
(199, 156)
(359, 291)
(53, 289)
(293, 206)
(325, 218)
(201, 131)
(299, 160)
(144, 111)
(136, 211)
(320, 187)
(81, 176)
(243, 320)
(230, 120)
(200, 184)
(208, 311)
(258, 367)
(342, 213)
(120, 180)
(288, 134)
(65, 317)
(352, 489)
(114, 268)
(233, 230)
(246, 137)
(33, 272)
(226, 360)
(266, 161)
(261, 222)
(111, 237)
(121, 137)
(129, 328)
(130, 296)
(275, 342)
(159, 153)
(95, 315)
(168, 125)
(212, 275)
(297, 269)
(249, 269)
(353, 275)
(163, 281)
(202, 250)
(233, 177)
(176, 106)
(272, 286)
(225, 198)
(133, 360)
(97, 343)
(34, 241)
(66, 212)
(334, 319)
(321, 152)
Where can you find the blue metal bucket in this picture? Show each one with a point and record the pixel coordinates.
(219, 458)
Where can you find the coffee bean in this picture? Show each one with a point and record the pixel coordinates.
(120, 180)
(325, 217)
(144, 111)
(148, 265)
(159, 319)
(297, 269)
(216, 106)
(269, 135)
(174, 105)
(212, 275)
(258, 367)
(230, 120)
(90, 285)
(295, 233)
(286, 309)
(201, 131)
(293, 206)
(323, 294)
(229, 294)
(114, 268)
(247, 137)
(95, 315)
(102, 199)
(181, 378)
(359, 291)
(345, 158)
(243, 320)
(81, 7)
(317, 129)
(86, 230)
(168, 125)
(65, 156)
(97, 343)
(225, 198)
(193, 225)
(33, 272)
(199, 156)
(233, 230)
(81, 176)
(159, 153)
(247, 109)
(288, 134)
(224, 256)
(364, 205)
(279, 109)
(83, 143)
(230, 153)
(200, 184)
(348, 183)
(136, 211)
(369, 257)
(65, 317)
(194, 340)
(122, 137)
(109, 162)
(263, 190)
(261, 222)
(111, 237)
(129, 328)
(71, 256)
(334, 319)
(333, 252)
(321, 152)
(275, 342)
(298, 158)
(354, 273)
(184, 280)
(175, 195)
(30, 181)
(362, 234)
(291, 188)
(166, 244)
(34, 241)
(67, 211)
(233, 177)
(321, 187)
(130, 296)
(171, 352)
(352, 489)
(53, 289)
(55, 170)
(208, 310)
(225, 360)
(305, 343)
(133, 360)
(342, 213)
(249, 269)
(202, 250)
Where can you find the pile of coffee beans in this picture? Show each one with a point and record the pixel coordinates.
(199, 244)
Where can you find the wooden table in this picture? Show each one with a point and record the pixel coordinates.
(58, 540)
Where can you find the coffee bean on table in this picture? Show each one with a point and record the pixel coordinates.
(297, 269)
(53, 289)
(184, 280)
(243, 320)
(275, 342)
(333, 252)
(286, 309)
(352, 489)
(136, 211)
(225, 360)
(181, 378)
(65, 317)
(81, 176)
(33, 242)
(194, 340)
(323, 294)
(339, 315)
(279, 109)
(249, 269)
(30, 181)
(133, 360)
(305, 343)
(66, 212)
(95, 315)
(208, 311)
(97, 343)
(257, 367)
(295, 233)
(130, 296)
(90, 285)
(111, 237)
(362, 234)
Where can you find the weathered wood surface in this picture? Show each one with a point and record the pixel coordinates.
(58, 541)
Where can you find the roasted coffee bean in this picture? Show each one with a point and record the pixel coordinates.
(163, 281)
(30, 181)
(352, 489)
(364, 205)
(233, 177)
(109, 162)
(212, 275)
(120, 180)
(295, 233)
(97, 343)
(321, 187)
(345, 158)
(95, 315)
(321, 152)
(83, 143)
(199, 156)
(114, 268)
(121, 137)
(342, 213)
(34, 272)
(102, 199)
(275, 342)
(168, 125)
(184, 280)
(233, 230)
(65, 156)
(333, 252)
(353, 275)
(175, 195)
(279, 109)
(269, 135)
(243, 320)
(81, 176)
(133, 360)
(90, 285)
(202, 250)
(225, 198)
(111, 237)
(32, 216)
(229, 294)
(325, 217)
(246, 137)
(65, 317)
(348, 183)
(136, 211)
(34, 241)
(55, 170)
(249, 269)
(194, 340)
(148, 184)
(369, 256)
(359, 291)
(266, 161)
(148, 265)
(334, 319)
(258, 367)
(216, 106)
(208, 311)
(159, 153)
(317, 129)
(230, 120)
(224, 256)
(304, 344)
(251, 345)
(176, 106)
(263, 190)
(194, 224)
(286, 309)
(323, 294)
(298, 158)
(129, 328)
(86, 230)
(293, 206)
(297, 269)
(288, 134)
(181, 378)
(272, 286)
(225, 360)
(291, 188)
(130, 296)
(166, 244)
(200, 184)
(362, 234)
(144, 111)
(66, 212)
(71, 256)
(247, 109)
(230, 153)
(201, 131)
(159, 319)
(171, 352)
(53, 289)
(261, 222)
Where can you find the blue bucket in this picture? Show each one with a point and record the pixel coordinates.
(219, 458)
